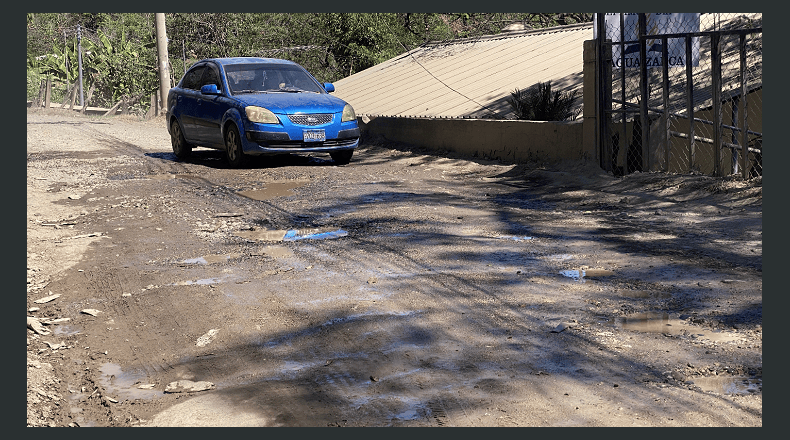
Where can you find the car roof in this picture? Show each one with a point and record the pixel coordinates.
(249, 60)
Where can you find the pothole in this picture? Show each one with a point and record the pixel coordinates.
(126, 385)
(271, 191)
(211, 259)
(730, 384)
(581, 274)
(660, 322)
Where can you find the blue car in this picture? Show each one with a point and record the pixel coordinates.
(258, 106)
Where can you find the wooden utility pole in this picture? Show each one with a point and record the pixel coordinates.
(79, 55)
(164, 62)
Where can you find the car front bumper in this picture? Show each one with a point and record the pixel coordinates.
(269, 142)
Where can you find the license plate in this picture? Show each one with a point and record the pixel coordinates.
(314, 135)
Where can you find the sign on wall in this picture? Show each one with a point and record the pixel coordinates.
(658, 23)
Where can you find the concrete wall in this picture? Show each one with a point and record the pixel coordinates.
(506, 140)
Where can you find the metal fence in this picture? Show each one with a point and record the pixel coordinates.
(680, 93)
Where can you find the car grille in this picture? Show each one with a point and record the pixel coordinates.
(311, 120)
(300, 144)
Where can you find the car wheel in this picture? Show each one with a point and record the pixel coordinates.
(181, 147)
(233, 149)
(342, 157)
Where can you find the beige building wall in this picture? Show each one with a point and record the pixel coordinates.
(506, 140)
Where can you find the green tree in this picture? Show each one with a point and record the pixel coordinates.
(122, 50)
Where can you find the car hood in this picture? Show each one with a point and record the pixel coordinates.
(292, 103)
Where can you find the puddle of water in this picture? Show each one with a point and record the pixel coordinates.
(201, 282)
(409, 414)
(84, 423)
(175, 176)
(271, 191)
(348, 318)
(579, 275)
(210, 259)
(730, 384)
(65, 330)
(291, 235)
(291, 367)
(295, 234)
(662, 323)
(514, 238)
(294, 366)
(278, 252)
(575, 274)
(162, 177)
(652, 323)
(123, 385)
(415, 410)
(263, 235)
(322, 300)
(410, 408)
(559, 257)
(597, 273)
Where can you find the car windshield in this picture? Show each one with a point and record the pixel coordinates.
(269, 78)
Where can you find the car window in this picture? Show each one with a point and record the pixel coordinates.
(192, 78)
(211, 77)
(260, 78)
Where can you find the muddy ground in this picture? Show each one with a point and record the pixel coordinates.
(408, 288)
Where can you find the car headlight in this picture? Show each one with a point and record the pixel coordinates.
(348, 114)
(261, 115)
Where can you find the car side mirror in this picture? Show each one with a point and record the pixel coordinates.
(329, 87)
(209, 89)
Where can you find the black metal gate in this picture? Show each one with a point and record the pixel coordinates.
(680, 93)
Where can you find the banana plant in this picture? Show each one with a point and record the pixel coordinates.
(122, 63)
(63, 63)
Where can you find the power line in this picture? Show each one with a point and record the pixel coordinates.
(493, 113)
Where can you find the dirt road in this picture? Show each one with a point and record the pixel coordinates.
(404, 289)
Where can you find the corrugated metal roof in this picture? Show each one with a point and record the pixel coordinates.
(474, 77)
(470, 77)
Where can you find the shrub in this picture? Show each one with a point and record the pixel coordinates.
(59, 88)
(33, 84)
(539, 103)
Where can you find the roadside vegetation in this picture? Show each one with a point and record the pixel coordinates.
(119, 50)
(540, 103)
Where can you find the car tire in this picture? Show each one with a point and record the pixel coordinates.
(342, 157)
(233, 150)
(181, 148)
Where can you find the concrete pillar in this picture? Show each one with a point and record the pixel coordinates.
(590, 139)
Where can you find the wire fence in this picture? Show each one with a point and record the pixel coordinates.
(690, 99)
(91, 69)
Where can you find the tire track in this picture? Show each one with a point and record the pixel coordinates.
(152, 165)
(110, 285)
